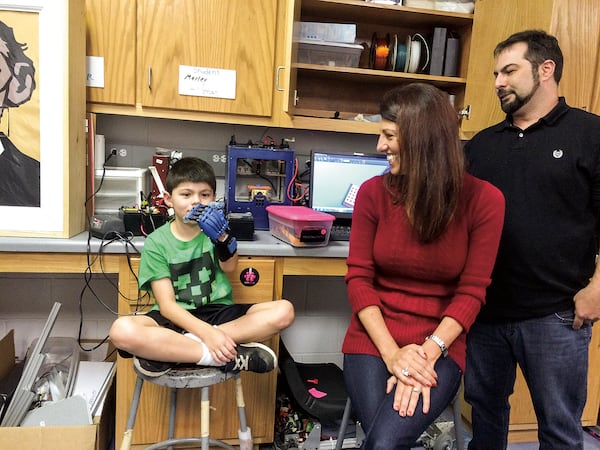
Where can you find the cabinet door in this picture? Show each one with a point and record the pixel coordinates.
(576, 24)
(495, 21)
(232, 35)
(111, 35)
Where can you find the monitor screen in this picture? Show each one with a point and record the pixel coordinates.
(336, 177)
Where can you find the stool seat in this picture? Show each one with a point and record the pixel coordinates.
(182, 377)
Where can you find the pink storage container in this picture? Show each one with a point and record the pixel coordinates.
(299, 226)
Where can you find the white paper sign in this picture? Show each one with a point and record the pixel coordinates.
(207, 82)
(94, 67)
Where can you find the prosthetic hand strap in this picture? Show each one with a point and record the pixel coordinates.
(226, 249)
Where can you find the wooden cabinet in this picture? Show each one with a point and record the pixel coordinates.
(259, 389)
(144, 43)
(147, 44)
(576, 24)
(320, 93)
(111, 35)
(233, 35)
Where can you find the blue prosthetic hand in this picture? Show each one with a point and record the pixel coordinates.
(210, 218)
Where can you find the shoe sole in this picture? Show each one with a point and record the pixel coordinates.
(148, 373)
(269, 350)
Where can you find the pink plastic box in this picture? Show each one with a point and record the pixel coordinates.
(299, 226)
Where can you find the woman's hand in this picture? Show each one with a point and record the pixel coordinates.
(407, 396)
(410, 365)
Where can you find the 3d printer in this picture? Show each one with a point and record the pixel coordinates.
(256, 178)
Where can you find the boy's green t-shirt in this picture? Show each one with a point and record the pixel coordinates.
(192, 267)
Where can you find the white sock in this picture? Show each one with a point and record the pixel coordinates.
(207, 359)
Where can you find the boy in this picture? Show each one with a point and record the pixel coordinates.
(183, 264)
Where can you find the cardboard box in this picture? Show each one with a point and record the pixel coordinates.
(86, 437)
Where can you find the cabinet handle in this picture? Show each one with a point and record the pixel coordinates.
(465, 112)
(277, 87)
(150, 78)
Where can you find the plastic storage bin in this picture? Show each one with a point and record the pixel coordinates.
(333, 32)
(300, 226)
(329, 53)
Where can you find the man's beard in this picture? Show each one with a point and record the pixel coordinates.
(510, 107)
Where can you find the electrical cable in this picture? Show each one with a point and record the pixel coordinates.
(294, 185)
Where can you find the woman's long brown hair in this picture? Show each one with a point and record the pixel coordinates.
(431, 157)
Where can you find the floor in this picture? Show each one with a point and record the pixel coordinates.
(590, 443)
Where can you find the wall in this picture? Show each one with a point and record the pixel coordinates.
(321, 306)
(27, 299)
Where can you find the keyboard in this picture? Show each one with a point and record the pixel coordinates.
(339, 233)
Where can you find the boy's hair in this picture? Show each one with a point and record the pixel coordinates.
(541, 46)
(190, 169)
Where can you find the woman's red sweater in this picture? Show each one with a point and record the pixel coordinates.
(415, 285)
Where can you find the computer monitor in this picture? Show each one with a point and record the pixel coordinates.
(336, 177)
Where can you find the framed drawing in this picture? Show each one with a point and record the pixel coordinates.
(42, 117)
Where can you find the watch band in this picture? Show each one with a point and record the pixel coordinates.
(440, 342)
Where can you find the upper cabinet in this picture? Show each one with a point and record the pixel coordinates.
(206, 55)
(329, 97)
(575, 23)
(111, 38)
(187, 59)
(236, 61)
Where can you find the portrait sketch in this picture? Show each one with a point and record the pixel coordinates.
(19, 126)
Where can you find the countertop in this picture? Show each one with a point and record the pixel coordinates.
(264, 244)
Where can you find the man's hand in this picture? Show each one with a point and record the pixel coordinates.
(587, 306)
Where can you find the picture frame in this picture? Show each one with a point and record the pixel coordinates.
(57, 46)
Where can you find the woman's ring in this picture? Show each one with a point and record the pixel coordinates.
(405, 372)
(417, 390)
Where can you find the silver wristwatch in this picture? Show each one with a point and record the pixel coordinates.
(440, 344)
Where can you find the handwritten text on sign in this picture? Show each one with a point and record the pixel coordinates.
(207, 82)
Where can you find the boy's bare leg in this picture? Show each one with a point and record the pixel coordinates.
(262, 321)
(141, 336)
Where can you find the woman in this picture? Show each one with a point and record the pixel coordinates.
(423, 243)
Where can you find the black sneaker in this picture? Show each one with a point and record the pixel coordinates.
(151, 368)
(252, 357)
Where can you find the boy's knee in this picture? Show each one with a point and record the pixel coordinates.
(120, 332)
(287, 313)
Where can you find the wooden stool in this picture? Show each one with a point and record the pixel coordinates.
(185, 378)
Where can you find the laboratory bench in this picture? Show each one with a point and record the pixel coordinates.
(270, 259)
(266, 257)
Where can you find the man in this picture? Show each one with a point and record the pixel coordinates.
(545, 291)
(19, 173)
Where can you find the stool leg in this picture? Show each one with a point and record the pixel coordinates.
(135, 401)
(342, 431)
(244, 433)
(172, 415)
(205, 418)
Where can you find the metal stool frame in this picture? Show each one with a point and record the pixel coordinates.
(186, 378)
